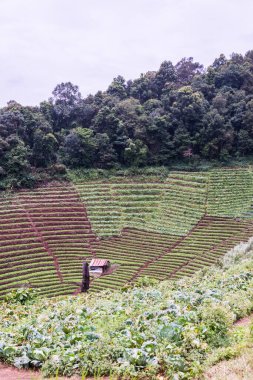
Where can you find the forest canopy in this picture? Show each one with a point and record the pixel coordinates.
(182, 111)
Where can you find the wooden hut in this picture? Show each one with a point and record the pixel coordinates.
(99, 266)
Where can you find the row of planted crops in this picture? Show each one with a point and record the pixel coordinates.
(45, 236)
(170, 330)
(162, 229)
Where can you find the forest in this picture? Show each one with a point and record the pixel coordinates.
(179, 112)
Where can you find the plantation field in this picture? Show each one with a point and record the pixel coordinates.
(162, 229)
(164, 330)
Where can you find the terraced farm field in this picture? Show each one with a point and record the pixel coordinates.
(162, 229)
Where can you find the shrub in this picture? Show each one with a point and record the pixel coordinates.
(217, 320)
(237, 253)
(240, 304)
(22, 296)
(2, 172)
(145, 281)
(58, 169)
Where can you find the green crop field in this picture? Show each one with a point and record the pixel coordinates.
(162, 229)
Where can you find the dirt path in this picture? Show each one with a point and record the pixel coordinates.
(239, 368)
(244, 321)
(12, 373)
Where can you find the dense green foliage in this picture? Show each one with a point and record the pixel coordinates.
(180, 112)
(166, 328)
(21, 295)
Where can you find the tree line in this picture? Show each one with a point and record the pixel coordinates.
(179, 112)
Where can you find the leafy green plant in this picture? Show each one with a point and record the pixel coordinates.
(145, 281)
(164, 328)
(22, 296)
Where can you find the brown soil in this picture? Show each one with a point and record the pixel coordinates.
(240, 368)
(111, 269)
(12, 373)
(244, 321)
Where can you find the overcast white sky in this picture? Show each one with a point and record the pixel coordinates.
(89, 42)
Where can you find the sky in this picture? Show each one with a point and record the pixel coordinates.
(90, 42)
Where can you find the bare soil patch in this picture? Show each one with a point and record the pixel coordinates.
(235, 369)
(12, 373)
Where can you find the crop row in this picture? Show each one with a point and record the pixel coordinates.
(230, 192)
(170, 257)
(202, 247)
(69, 242)
(174, 206)
(157, 207)
(37, 227)
(48, 232)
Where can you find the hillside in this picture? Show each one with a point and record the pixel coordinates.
(164, 229)
(180, 114)
(170, 329)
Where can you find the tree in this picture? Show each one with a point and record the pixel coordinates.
(66, 100)
(17, 156)
(44, 149)
(188, 109)
(216, 136)
(118, 87)
(146, 121)
(135, 153)
(186, 69)
(231, 75)
(143, 88)
(131, 114)
(67, 94)
(105, 155)
(165, 75)
(245, 143)
(79, 148)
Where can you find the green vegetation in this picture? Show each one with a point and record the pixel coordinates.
(174, 329)
(172, 204)
(23, 296)
(180, 116)
(113, 206)
(230, 192)
(155, 175)
(166, 225)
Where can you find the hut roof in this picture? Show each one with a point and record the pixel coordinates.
(99, 262)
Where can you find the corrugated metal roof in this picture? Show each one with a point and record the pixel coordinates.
(99, 262)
